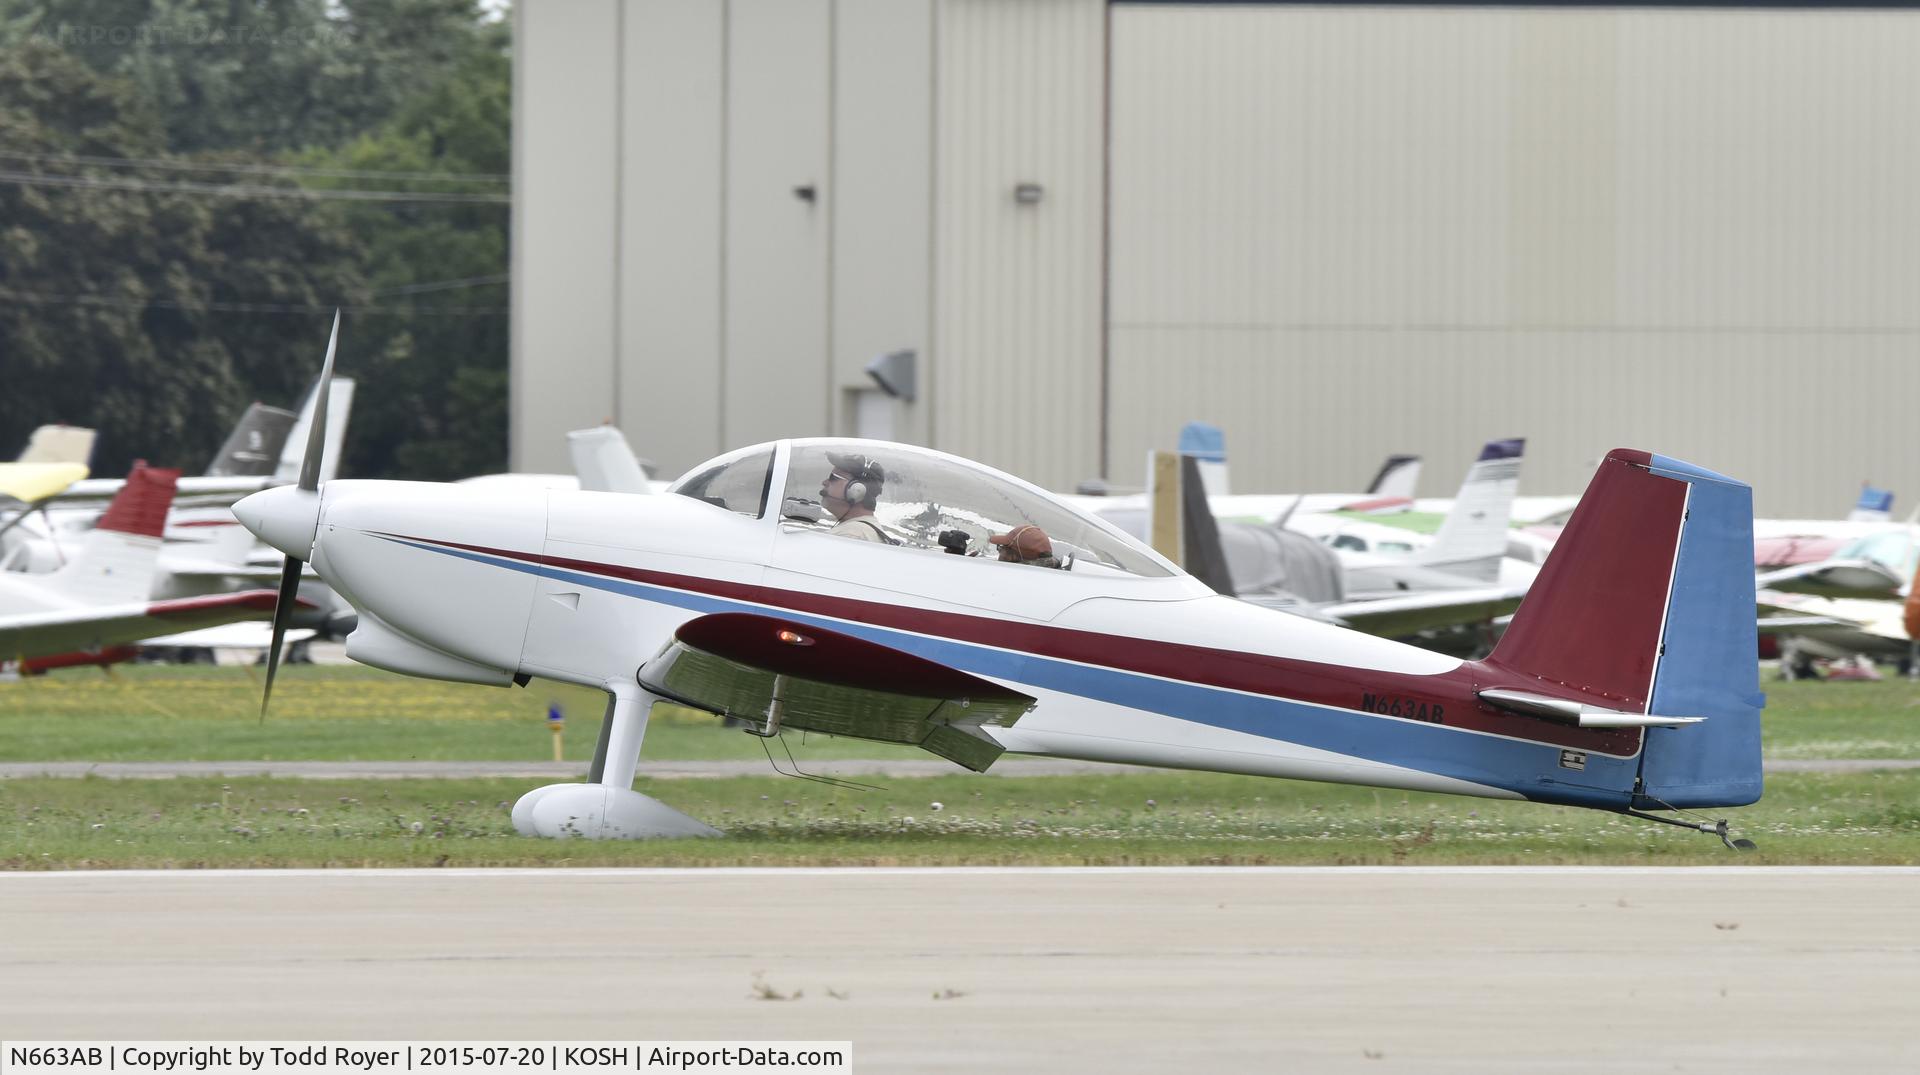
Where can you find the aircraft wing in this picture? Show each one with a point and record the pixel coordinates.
(201, 489)
(1398, 617)
(1836, 578)
(251, 634)
(780, 674)
(93, 628)
(186, 567)
(30, 483)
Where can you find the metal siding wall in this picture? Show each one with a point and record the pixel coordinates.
(883, 159)
(775, 382)
(670, 230)
(1346, 232)
(1016, 363)
(564, 246)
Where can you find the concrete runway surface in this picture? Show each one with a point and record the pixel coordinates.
(1111, 970)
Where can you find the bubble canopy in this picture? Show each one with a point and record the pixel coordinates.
(920, 499)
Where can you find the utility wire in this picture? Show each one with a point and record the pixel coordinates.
(237, 190)
(38, 298)
(252, 169)
(443, 285)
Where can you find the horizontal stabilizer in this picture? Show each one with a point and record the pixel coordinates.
(778, 674)
(1567, 711)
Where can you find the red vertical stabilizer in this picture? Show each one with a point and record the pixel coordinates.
(141, 506)
(1591, 623)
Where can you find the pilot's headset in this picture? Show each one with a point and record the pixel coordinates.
(865, 477)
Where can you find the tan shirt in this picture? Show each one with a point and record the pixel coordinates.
(862, 528)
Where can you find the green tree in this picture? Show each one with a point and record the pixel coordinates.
(258, 75)
(117, 302)
(433, 350)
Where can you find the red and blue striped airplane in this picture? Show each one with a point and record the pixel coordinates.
(978, 614)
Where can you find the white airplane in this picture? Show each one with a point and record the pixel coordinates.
(1627, 682)
(94, 607)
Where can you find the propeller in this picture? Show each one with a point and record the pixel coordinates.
(308, 489)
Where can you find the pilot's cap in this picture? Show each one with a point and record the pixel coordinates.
(1028, 542)
(858, 467)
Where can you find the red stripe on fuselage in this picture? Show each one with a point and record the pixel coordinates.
(1339, 686)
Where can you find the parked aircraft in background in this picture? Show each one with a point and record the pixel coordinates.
(1391, 490)
(95, 606)
(602, 462)
(1627, 683)
(1852, 631)
(58, 444)
(1453, 582)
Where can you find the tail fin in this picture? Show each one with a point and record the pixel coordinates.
(1874, 505)
(1473, 538)
(1204, 442)
(293, 452)
(58, 444)
(254, 445)
(1398, 477)
(1646, 606)
(118, 559)
(1180, 524)
(605, 462)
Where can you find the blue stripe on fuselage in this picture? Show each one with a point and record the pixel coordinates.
(1528, 769)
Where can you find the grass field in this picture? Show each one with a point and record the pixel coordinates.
(1150, 818)
(350, 713)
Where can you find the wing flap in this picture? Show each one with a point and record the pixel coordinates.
(778, 674)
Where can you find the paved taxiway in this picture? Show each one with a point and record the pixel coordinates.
(1372, 970)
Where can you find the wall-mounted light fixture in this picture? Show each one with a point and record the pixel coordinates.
(894, 373)
(1029, 193)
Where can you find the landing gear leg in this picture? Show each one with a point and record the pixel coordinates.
(607, 807)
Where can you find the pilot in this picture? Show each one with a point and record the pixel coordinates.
(850, 493)
(1026, 545)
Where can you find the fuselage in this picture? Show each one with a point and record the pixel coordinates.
(1151, 668)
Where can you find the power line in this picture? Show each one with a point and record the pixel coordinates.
(238, 190)
(252, 169)
(38, 298)
(443, 285)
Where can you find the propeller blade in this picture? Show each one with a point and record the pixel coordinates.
(283, 607)
(317, 432)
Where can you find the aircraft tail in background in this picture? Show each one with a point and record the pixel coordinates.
(604, 461)
(1398, 478)
(253, 448)
(1204, 443)
(119, 557)
(293, 450)
(1874, 506)
(58, 444)
(1473, 538)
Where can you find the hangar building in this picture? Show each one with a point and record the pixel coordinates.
(1337, 231)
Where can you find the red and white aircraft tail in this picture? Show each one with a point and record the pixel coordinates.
(119, 557)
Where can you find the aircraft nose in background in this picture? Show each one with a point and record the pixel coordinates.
(285, 517)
